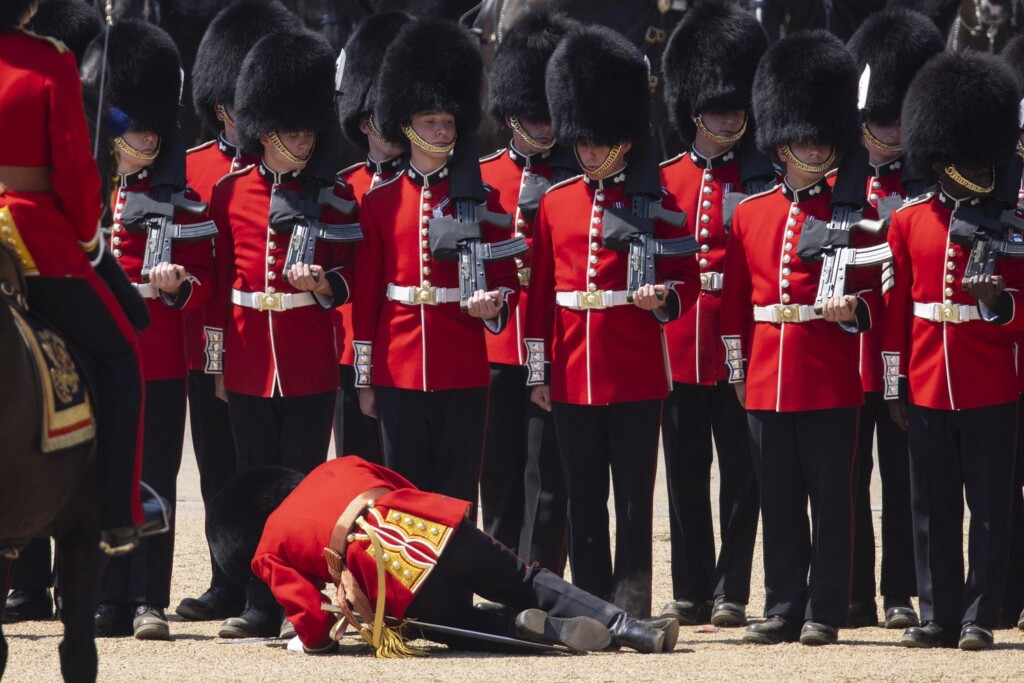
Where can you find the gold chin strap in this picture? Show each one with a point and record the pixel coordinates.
(415, 139)
(223, 111)
(720, 139)
(963, 182)
(285, 152)
(376, 133)
(132, 152)
(598, 173)
(805, 167)
(878, 144)
(518, 127)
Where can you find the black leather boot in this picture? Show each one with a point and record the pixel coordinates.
(657, 635)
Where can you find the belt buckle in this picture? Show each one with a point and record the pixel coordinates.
(266, 301)
(788, 314)
(424, 295)
(589, 300)
(948, 313)
(705, 281)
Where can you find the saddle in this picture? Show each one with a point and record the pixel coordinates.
(65, 405)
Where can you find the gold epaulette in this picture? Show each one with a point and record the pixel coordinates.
(58, 45)
(493, 155)
(669, 162)
(240, 172)
(565, 182)
(198, 148)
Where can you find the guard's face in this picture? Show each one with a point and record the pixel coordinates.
(725, 123)
(540, 131)
(812, 153)
(592, 155)
(436, 127)
(887, 133)
(145, 142)
(298, 142)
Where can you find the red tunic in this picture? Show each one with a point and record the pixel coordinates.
(949, 366)
(421, 347)
(162, 343)
(506, 171)
(810, 365)
(597, 356)
(290, 557)
(268, 353)
(695, 350)
(204, 166)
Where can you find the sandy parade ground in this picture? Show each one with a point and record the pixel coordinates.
(197, 655)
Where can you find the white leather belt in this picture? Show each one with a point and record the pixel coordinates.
(711, 282)
(946, 313)
(429, 296)
(264, 301)
(780, 313)
(582, 301)
(146, 291)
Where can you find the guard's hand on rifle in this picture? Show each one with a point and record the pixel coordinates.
(368, 402)
(840, 309)
(898, 413)
(741, 393)
(307, 277)
(484, 305)
(985, 288)
(167, 277)
(541, 395)
(649, 297)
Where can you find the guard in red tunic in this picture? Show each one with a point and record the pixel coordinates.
(801, 385)
(595, 351)
(350, 522)
(892, 46)
(279, 355)
(228, 39)
(50, 210)
(709, 66)
(948, 345)
(354, 432)
(522, 488)
(421, 361)
(143, 87)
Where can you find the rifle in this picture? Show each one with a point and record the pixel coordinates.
(156, 217)
(982, 229)
(298, 214)
(632, 229)
(459, 238)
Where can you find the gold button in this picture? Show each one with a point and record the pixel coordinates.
(271, 245)
(704, 248)
(705, 219)
(426, 270)
(425, 244)
(704, 234)
(592, 272)
(785, 298)
(788, 246)
(786, 258)
(118, 228)
(398, 516)
(708, 177)
(425, 283)
(705, 204)
(873, 197)
(949, 278)
(116, 241)
(592, 287)
(596, 220)
(593, 232)
(426, 207)
(599, 196)
(117, 253)
(519, 263)
(408, 520)
(271, 275)
(784, 284)
(421, 526)
(520, 224)
(703, 263)
(594, 246)
(786, 271)
(425, 231)
(791, 222)
(434, 531)
(271, 290)
(951, 253)
(426, 194)
(383, 556)
(593, 258)
(795, 210)
(875, 185)
(351, 538)
(407, 574)
(950, 265)
(271, 260)
(424, 219)
(949, 291)
(708, 190)
(426, 257)
(396, 564)
(789, 234)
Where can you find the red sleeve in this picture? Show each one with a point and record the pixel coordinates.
(368, 290)
(300, 597)
(897, 310)
(540, 313)
(737, 301)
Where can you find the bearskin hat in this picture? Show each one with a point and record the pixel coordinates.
(238, 513)
(227, 41)
(364, 53)
(432, 65)
(1013, 55)
(805, 89)
(286, 84)
(709, 62)
(73, 22)
(960, 110)
(895, 43)
(12, 11)
(517, 78)
(144, 76)
(598, 88)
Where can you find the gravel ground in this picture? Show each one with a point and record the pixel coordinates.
(198, 655)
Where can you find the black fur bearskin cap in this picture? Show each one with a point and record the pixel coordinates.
(238, 513)
(364, 53)
(960, 110)
(432, 65)
(286, 84)
(709, 62)
(805, 89)
(144, 76)
(1013, 56)
(895, 43)
(228, 39)
(73, 22)
(598, 88)
(517, 77)
(12, 11)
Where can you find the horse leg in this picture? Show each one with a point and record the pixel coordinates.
(81, 564)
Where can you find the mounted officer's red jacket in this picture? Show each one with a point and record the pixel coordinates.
(597, 355)
(361, 178)
(290, 557)
(948, 364)
(793, 362)
(163, 342)
(425, 347)
(272, 352)
(204, 166)
(695, 351)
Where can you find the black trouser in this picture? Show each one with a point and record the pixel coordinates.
(1013, 596)
(801, 456)
(473, 562)
(81, 316)
(522, 492)
(214, 447)
(287, 431)
(32, 571)
(354, 433)
(144, 576)
(435, 439)
(692, 414)
(953, 455)
(899, 579)
(624, 438)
